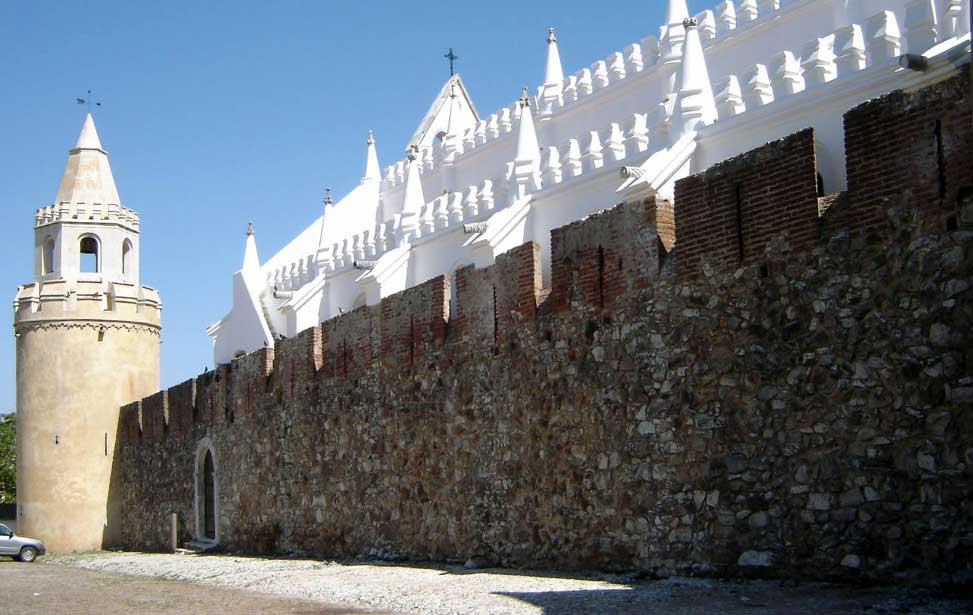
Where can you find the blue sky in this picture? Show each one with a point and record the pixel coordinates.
(216, 113)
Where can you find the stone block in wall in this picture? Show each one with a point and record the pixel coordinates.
(413, 319)
(350, 342)
(182, 407)
(595, 260)
(913, 145)
(155, 416)
(729, 213)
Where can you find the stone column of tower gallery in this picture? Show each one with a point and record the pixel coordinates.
(87, 342)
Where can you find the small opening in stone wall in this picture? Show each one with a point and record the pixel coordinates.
(952, 224)
(48, 256)
(412, 340)
(88, 249)
(127, 252)
(820, 184)
(764, 271)
(739, 221)
(940, 161)
(106, 444)
(601, 276)
(495, 319)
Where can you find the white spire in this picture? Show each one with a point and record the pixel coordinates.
(553, 73)
(676, 12)
(251, 261)
(324, 257)
(527, 149)
(673, 35)
(87, 176)
(372, 170)
(526, 165)
(414, 200)
(695, 105)
(88, 139)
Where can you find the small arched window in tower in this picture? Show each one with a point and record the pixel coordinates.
(89, 254)
(126, 257)
(48, 256)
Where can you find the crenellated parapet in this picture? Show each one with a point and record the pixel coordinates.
(598, 259)
(905, 146)
(103, 213)
(101, 301)
(728, 214)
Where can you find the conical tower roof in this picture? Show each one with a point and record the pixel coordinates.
(87, 176)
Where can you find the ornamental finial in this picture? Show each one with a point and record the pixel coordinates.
(524, 98)
(689, 22)
(327, 196)
(551, 37)
(371, 137)
(412, 152)
(249, 229)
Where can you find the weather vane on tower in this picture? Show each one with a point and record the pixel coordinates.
(452, 57)
(87, 101)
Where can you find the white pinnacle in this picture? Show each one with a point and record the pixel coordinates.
(553, 73)
(528, 150)
(676, 11)
(372, 170)
(251, 261)
(695, 104)
(414, 200)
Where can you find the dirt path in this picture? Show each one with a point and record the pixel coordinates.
(452, 590)
(55, 590)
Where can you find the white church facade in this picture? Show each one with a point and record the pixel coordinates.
(708, 87)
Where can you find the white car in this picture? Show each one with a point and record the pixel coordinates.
(19, 547)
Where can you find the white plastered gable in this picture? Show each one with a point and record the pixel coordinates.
(443, 117)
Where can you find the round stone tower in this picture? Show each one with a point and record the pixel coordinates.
(87, 337)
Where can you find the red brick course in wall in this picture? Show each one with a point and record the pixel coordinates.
(908, 145)
(730, 212)
(494, 301)
(597, 259)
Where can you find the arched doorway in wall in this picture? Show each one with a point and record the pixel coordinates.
(207, 491)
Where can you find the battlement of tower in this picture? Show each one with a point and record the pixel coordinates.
(110, 213)
(87, 300)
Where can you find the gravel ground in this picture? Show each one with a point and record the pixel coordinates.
(59, 590)
(447, 590)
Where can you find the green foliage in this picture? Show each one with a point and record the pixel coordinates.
(8, 459)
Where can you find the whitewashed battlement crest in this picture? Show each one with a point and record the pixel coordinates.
(707, 88)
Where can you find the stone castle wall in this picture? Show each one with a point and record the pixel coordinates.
(803, 405)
